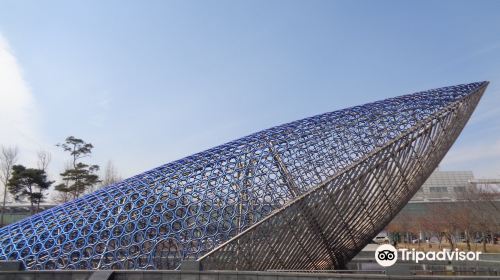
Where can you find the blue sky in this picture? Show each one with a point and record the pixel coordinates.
(148, 82)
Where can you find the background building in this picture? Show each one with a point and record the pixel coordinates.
(16, 212)
(451, 205)
(444, 186)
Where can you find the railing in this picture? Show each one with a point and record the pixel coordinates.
(346, 271)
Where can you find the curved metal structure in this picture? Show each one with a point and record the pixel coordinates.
(304, 195)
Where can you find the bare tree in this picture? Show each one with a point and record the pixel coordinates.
(428, 226)
(465, 220)
(435, 222)
(451, 221)
(418, 227)
(8, 158)
(485, 211)
(110, 175)
(44, 158)
(61, 197)
(400, 227)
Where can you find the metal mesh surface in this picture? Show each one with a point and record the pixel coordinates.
(304, 195)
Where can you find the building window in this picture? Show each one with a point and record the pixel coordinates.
(438, 189)
(459, 189)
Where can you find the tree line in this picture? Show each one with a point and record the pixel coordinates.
(31, 184)
(473, 218)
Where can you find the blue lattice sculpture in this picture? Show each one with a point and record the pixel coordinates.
(303, 195)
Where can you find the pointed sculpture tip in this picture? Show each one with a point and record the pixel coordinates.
(483, 83)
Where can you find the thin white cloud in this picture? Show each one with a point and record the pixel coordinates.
(18, 112)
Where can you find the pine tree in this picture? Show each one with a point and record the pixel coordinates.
(80, 176)
(28, 183)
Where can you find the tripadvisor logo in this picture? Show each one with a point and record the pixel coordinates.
(386, 255)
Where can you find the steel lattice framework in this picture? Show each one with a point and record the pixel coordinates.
(305, 195)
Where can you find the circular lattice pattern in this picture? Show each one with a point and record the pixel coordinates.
(186, 208)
